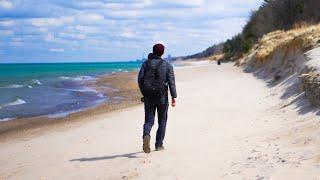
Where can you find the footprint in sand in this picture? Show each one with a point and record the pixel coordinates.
(259, 178)
(145, 161)
(131, 175)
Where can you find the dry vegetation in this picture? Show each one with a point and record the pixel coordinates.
(216, 57)
(272, 15)
(303, 38)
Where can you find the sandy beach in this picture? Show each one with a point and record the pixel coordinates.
(227, 125)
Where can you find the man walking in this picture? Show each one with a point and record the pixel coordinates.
(155, 76)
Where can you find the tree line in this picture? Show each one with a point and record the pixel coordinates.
(272, 15)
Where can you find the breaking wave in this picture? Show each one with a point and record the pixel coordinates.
(13, 86)
(78, 78)
(36, 81)
(28, 85)
(18, 101)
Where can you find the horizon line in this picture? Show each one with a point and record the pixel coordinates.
(67, 62)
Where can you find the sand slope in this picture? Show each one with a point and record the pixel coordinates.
(227, 125)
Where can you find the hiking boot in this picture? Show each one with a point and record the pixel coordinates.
(146, 144)
(159, 148)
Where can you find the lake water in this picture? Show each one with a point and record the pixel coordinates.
(28, 90)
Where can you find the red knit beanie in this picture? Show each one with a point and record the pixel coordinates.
(158, 49)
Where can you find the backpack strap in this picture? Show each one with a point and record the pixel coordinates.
(148, 63)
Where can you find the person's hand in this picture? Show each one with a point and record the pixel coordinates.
(173, 102)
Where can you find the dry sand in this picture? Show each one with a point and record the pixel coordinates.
(227, 125)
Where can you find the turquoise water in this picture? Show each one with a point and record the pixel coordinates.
(15, 72)
(28, 90)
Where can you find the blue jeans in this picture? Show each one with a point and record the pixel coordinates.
(162, 111)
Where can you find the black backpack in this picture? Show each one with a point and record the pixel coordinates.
(153, 85)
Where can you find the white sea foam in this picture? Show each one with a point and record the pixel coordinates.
(87, 89)
(65, 77)
(101, 95)
(36, 81)
(118, 98)
(85, 78)
(78, 78)
(83, 89)
(6, 119)
(29, 85)
(13, 86)
(18, 101)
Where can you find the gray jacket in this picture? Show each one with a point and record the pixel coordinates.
(167, 74)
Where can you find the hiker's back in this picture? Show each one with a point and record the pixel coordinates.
(155, 78)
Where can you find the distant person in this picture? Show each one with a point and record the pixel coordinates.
(219, 62)
(155, 77)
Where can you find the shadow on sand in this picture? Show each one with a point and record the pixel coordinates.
(292, 89)
(129, 155)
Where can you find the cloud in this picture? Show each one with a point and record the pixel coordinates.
(6, 32)
(117, 29)
(90, 18)
(5, 4)
(7, 23)
(82, 18)
(58, 50)
(73, 36)
(49, 37)
(16, 42)
(128, 34)
(190, 3)
(46, 22)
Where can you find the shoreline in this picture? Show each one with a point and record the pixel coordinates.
(121, 92)
(120, 88)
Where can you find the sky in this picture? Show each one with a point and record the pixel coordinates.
(114, 30)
